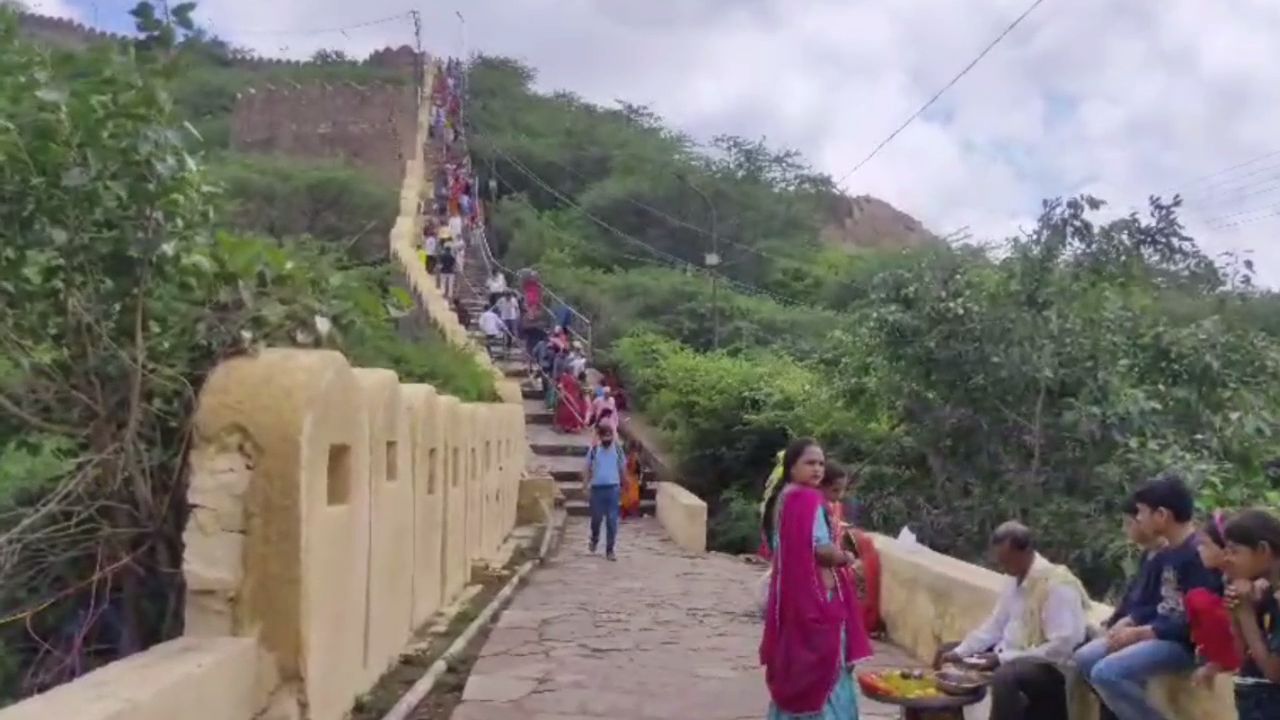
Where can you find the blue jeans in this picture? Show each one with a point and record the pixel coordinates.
(1120, 678)
(605, 501)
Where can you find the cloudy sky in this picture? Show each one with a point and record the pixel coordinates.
(1121, 98)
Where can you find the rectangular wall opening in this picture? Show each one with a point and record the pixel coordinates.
(454, 471)
(393, 462)
(338, 483)
(431, 472)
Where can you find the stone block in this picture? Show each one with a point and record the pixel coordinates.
(684, 516)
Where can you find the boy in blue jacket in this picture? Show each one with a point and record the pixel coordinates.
(1138, 604)
(1155, 641)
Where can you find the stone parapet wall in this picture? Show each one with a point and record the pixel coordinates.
(684, 516)
(188, 678)
(928, 598)
(369, 126)
(333, 511)
(680, 512)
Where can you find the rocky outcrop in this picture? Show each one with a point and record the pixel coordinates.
(867, 222)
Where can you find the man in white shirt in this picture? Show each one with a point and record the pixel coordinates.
(431, 247)
(497, 285)
(1039, 620)
(509, 311)
(493, 328)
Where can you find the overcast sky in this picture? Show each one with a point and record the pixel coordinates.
(1120, 98)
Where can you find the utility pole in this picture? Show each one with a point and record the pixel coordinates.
(420, 71)
(462, 34)
(711, 261)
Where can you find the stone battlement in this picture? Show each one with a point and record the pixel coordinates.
(70, 34)
(64, 32)
(370, 126)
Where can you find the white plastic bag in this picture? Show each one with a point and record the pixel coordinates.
(762, 591)
(908, 540)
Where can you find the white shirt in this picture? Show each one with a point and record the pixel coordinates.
(431, 244)
(1063, 618)
(497, 283)
(508, 308)
(491, 324)
(455, 225)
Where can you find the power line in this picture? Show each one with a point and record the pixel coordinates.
(328, 30)
(666, 256)
(991, 46)
(1209, 176)
(1275, 213)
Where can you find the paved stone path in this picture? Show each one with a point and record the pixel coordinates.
(657, 635)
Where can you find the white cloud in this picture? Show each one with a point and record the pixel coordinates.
(52, 8)
(1121, 99)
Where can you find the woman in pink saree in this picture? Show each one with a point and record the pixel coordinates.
(813, 630)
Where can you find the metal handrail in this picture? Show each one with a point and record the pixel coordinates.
(491, 260)
(517, 343)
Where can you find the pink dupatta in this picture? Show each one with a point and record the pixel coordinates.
(801, 645)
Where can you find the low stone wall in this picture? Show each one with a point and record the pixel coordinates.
(681, 513)
(684, 516)
(188, 678)
(333, 511)
(928, 598)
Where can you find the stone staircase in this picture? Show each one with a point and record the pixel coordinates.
(560, 455)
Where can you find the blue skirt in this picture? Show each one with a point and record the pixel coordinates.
(842, 703)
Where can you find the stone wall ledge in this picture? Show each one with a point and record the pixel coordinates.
(684, 516)
(189, 678)
(928, 598)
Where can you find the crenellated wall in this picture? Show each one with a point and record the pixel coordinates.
(369, 126)
(333, 510)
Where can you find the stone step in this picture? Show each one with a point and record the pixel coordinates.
(571, 490)
(580, 508)
(558, 449)
(544, 440)
(513, 368)
(540, 417)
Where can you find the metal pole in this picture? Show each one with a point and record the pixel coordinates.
(462, 33)
(712, 260)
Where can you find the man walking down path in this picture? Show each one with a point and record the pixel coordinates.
(509, 311)
(431, 247)
(603, 481)
(493, 329)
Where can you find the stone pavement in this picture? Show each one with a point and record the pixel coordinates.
(658, 635)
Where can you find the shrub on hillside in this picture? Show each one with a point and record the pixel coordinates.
(287, 197)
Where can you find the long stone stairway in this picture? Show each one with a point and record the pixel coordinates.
(560, 455)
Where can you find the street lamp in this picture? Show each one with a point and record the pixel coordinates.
(711, 260)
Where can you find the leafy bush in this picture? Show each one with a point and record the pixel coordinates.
(325, 200)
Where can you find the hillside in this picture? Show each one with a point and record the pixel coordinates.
(964, 388)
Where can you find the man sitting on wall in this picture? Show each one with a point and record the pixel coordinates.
(1038, 621)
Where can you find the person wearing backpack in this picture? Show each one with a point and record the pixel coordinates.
(602, 480)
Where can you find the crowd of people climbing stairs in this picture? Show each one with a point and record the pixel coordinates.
(513, 317)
